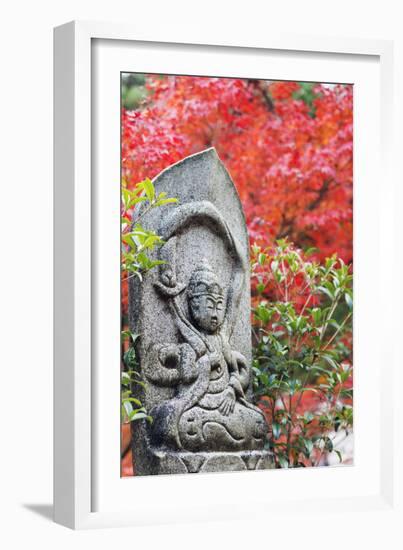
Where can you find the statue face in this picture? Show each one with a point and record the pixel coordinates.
(207, 312)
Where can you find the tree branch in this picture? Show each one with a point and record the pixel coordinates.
(261, 88)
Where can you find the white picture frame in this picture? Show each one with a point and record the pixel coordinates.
(87, 490)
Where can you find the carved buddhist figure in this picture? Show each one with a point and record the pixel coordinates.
(193, 318)
(209, 411)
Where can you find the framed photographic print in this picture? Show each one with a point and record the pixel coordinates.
(215, 206)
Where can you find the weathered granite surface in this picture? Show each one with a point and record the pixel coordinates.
(193, 317)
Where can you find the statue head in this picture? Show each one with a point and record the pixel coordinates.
(206, 299)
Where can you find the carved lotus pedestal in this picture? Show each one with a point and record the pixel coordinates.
(193, 318)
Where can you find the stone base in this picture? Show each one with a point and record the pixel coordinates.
(170, 462)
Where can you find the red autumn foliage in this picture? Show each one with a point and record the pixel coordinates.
(291, 162)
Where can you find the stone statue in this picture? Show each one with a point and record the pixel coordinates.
(209, 411)
(194, 326)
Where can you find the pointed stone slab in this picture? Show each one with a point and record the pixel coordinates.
(207, 225)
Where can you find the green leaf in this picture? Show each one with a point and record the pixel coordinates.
(255, 249)
(260, 287)
(263, 313)
(137, 415)
(135, 201)
(129, 358)
(329, 360)
(128, 408)
(125, 334)
(151, 240)
(133, 400)
(326, 291)
(148, 188)
(320, 369)
(276, 430)
(128, 239)
(308, 417)
(126, 379)
(261, 258)
(316, 315)
(309, 251)
(143, 261)
(283, 461)
(348, 300)
(162, 202)
(154, 263)
(309, 446)
(333, 323)
(142, 415)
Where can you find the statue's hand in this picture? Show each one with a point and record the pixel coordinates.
(235, 383)
(168, 277)
(242, 368)
(228, 403)
(169, 356)
(214, 358)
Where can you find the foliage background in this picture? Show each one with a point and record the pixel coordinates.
(288, 147)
